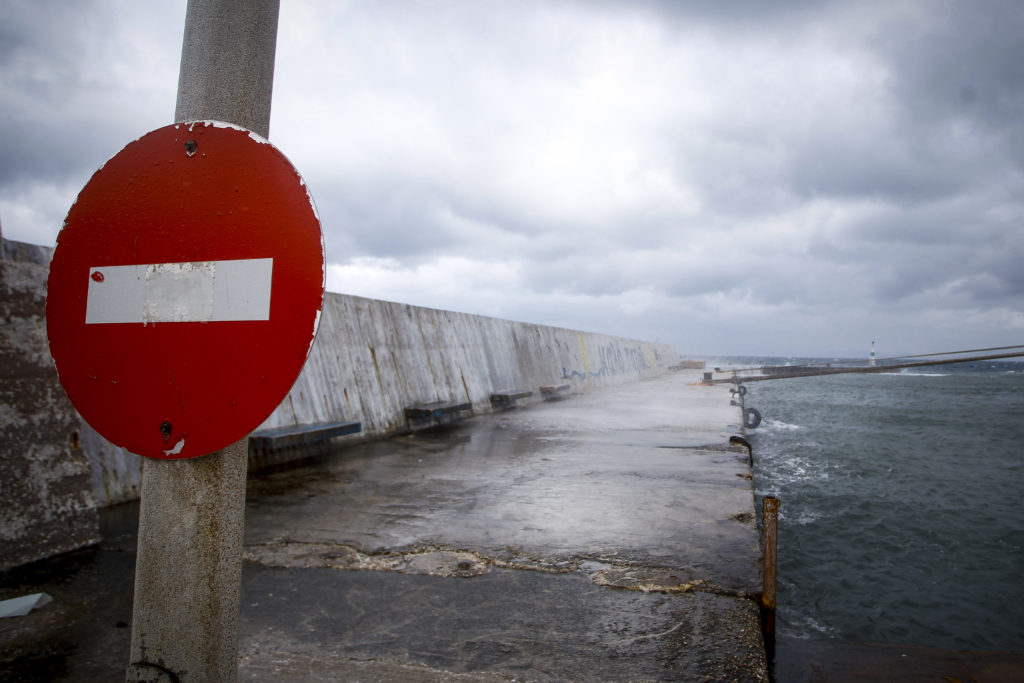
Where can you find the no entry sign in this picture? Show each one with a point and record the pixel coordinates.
(185, 290)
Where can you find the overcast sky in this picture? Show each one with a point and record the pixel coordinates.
(783, 178)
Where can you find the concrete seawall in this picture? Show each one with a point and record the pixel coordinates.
(371, 359)
(611, 536)
(47, 501)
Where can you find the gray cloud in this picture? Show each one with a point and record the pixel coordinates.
(906, 168)
(782, 177)
(960, 60)
(736, 15)
(72, 97)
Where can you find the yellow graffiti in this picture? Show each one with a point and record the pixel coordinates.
(585, 358)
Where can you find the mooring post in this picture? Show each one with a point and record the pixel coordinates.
(769, 569)
(189, 564)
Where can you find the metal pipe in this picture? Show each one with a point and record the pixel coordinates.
(955, 353)
(769, 567)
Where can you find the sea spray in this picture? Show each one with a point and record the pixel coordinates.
(902, 518)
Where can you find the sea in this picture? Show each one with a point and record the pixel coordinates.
(901, 502)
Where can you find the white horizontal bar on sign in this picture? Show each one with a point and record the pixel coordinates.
(195, 291)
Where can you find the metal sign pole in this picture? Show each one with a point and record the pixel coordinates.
(188, 570)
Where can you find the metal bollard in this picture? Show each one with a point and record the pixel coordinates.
(769, 569)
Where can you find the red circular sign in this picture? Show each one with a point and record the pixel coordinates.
(185, 290)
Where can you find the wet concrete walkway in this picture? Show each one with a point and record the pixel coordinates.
(609, 536)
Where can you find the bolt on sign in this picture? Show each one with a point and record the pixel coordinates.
(185, 290)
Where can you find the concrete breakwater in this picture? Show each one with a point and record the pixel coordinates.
(611, 536)
(606, 537)
(371, 360)
(48, 503)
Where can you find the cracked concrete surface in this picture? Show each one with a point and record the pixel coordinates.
(606, 537)
(408, 561)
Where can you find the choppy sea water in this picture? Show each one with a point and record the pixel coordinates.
(902, 504)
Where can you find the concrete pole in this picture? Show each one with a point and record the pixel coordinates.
(189, 565)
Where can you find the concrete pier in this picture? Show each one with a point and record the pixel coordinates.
(608, 536)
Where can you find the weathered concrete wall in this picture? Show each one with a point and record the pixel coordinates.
(46, 501)
(370, 361)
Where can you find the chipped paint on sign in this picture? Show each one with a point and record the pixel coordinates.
(195, 291)
(223, 124)
(192, 223)
(177, 448)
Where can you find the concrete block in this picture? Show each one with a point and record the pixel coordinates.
(48, 506)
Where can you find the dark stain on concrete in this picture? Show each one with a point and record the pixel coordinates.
(532, 625)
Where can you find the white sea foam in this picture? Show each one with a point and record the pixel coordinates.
(780, 425)
(877, 482)
(803, 626)
(802, 517)
(791, 470)
(820, 628)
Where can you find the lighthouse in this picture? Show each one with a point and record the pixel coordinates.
(871, 358)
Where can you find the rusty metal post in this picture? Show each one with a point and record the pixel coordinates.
(769, 568)
(189, 565)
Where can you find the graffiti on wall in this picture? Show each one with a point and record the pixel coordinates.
(615, 359)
